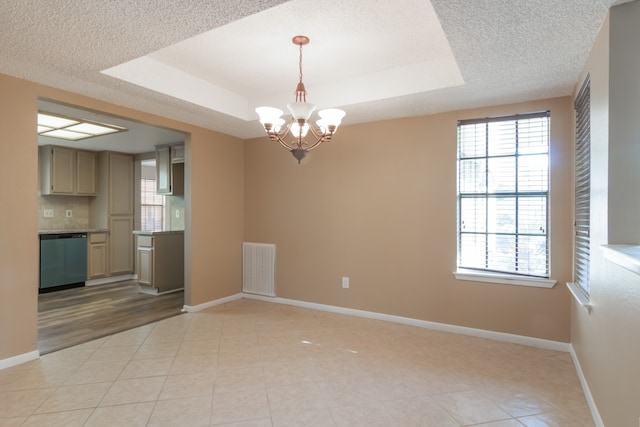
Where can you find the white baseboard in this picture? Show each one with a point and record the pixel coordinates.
(111, 279)
(462, 330)
(194, 308)
(17, 360)
(154, 291)
(586, 390)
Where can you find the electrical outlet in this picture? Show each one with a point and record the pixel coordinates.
(345, 282)
(69, 213)
(177, 213)
(47, 213)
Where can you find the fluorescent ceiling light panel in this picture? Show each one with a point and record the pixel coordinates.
(72, 129)
(54, 121)
(65, 134)
(92, 129)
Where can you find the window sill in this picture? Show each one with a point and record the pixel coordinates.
(627, 256)
(505, 279)
(580, 296)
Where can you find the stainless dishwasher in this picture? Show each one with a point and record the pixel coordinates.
(63, 261)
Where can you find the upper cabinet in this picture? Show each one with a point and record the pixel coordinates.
(163, 169)
(86, 173)
(66, 171)
(120, 179)
(177, 153)
(115, 189)
(170, 170)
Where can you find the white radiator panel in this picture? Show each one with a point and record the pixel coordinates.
(259, 268)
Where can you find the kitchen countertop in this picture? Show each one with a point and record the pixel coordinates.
(75, 230)
(155, 233)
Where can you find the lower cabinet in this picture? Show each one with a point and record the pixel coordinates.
(145, 260)
(160, 261)
(97, 259)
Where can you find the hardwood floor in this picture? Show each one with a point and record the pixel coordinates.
(75, 316)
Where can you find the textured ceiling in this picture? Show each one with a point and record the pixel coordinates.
(376, 60)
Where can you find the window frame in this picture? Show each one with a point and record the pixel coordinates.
(580, 288)
(467, 272)
(582, 189)
(149, 185)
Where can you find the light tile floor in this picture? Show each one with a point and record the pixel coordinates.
(252, 363)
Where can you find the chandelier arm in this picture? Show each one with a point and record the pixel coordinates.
(282, 142)
(318, 141)
(283, 132)
(316, 133)
(319, 136)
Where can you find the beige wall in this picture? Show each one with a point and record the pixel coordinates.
(607, 342)
(216, 216)
(378, 204)
(214, 209)
(18, 220)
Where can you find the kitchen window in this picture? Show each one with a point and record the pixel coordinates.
(503, 198)
(151, 206)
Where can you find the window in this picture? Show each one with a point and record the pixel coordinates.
(582, 189)
(151, 206)
(503, 195)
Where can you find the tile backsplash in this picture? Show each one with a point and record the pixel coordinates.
(176, 221)
(78, 205)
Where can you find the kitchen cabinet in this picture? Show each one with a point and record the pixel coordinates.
(177, 153)
(86, 173)
(160, 261)
(112, 209)
(120, 184)
(97, 266)
(163, 170)
(121, 248)
(170, 172)
(65, 171)
(145, 261)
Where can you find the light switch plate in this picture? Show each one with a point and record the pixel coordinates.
(345, 282)
(69, 213)
(47, 213)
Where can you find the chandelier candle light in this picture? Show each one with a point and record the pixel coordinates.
(299, 125)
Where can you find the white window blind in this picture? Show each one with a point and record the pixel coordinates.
(582, 245)
(151, 206)
(503, 194)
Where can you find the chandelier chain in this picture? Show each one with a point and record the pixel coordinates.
(300, 64)
(301, 92)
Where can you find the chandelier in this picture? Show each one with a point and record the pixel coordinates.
(298, 127)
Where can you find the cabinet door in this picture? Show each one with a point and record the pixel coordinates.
(163, 170)
(120, 184)
(97, 257)
(145, 266)
(86, 173)
(121, 245)
(62, 170)
(97, 260)
(177, 179)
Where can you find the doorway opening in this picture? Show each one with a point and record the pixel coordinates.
(103, 198)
